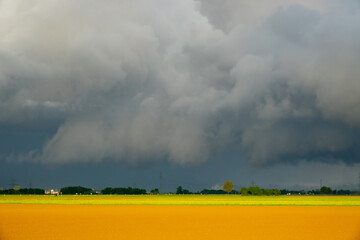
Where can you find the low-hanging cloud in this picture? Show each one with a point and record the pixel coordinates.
(140, 81)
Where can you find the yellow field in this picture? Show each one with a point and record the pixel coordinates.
(179, 217)
(48, 222)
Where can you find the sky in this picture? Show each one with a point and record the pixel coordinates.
(113, 93)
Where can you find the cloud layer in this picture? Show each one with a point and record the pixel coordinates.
(140, 81)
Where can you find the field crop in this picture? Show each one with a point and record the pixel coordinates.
(192, 200)
(178, 217)
(43, 222)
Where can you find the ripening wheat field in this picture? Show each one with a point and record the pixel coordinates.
(179, 217)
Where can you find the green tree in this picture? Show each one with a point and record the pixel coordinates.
(185, 191)
(228, 186)
(255, 191)
(325, 190)
(276, 192)
(179, 190)
(122, 190)
(268, 192)
(155, 191)
(244, 191)
(75, 190)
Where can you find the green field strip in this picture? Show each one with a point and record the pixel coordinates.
(191, 200)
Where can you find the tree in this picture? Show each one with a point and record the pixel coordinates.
(255, 190)
(228, 186)
(185, 191)
(212, 191)
(179, 190)
(276, 192)
(128, 190)
(268, 192)
(325, 190)
(244, 191)
(155, 191)
(75, 190)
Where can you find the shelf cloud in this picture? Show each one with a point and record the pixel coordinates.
(148, 80)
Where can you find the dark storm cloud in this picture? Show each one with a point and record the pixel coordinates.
(136, 81)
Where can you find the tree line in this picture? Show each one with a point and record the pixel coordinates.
(107, 191)
(227, 188)
(128, 190)
(324, 190)
(15, 190)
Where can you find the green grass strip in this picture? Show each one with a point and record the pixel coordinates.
(188, 200)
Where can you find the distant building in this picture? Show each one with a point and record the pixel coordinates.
(52, 192)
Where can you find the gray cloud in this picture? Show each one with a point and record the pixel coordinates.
(185, 80)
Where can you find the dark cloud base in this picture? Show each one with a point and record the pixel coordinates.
(188, 81)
